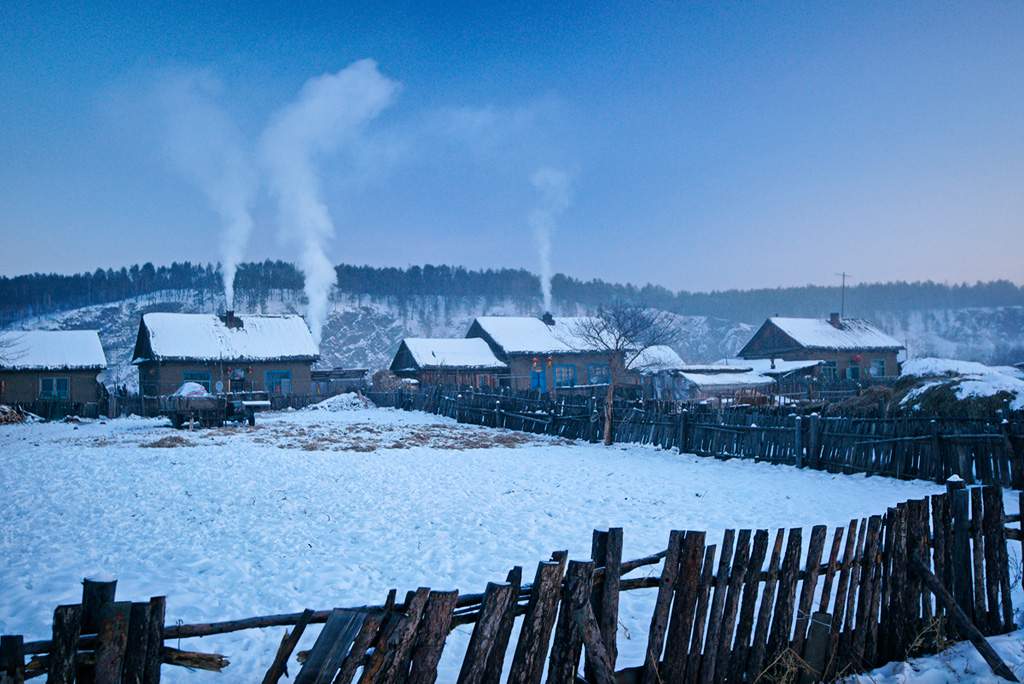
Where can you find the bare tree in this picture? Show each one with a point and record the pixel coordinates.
(10, 348)
(621, 333)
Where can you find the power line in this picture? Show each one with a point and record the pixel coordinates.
(842, 300)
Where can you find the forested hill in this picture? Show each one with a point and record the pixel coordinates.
(36, 294)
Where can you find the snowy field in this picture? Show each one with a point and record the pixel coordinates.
(331, 508)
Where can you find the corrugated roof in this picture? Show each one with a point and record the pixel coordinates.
(470, 352)
(851, 335)
(51, 350)
(205, 337)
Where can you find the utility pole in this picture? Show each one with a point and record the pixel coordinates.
(842, 299)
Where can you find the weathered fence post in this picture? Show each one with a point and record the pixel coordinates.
(798, 441)
(812, 440)
(12, 659)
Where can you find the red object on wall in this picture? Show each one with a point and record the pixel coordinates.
(856, 358)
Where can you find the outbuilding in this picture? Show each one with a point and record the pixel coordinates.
(448, 361)
(50, 366)
(224, 353)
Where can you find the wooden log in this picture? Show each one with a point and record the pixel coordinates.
(96, 596)
(368, 633)
(403, 637)
(745, 625)
(12, 659)
(981, 556)
(134, 671)
(496, 660)
(850, 611)
(609, 618)
(1000, 612)
(155, 639)
(962, 620)
(939, 551)
(961, 553)
(210, 662)
(599, 661)
(693, 660)
(717, 608)
(662, 605)
(67, 623)
(567, 646)
(759, 646)
(865, 592)
(815, 548)
(830, 571)
(538, 622)
(426, 653)
(730, 610)
(331, 647)
(782, 622)
(291, 638)
(683, 606)
(113, 640)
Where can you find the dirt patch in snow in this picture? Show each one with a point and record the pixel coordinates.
(168, 442)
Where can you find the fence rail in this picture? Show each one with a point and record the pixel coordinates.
(758, 606)
(982, 451)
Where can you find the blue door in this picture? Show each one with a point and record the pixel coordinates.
(538, 380)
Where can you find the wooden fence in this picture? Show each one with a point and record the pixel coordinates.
(984, 451)
(758, 606)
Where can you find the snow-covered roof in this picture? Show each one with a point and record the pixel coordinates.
(852, 334)
(206, 337)
(51, 350)
(656, 359)
(764, 366)
(529, 335)
(967, 378)
(748, 379)
(471, 352)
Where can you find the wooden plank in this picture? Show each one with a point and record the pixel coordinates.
(609, 619)
(732, 603)
(535, 635)
(963, 589)
(12, 659)
(782, 622)
(760, 644)
(677, 648)
(751, 587)
(279, 666)
(598, 659)
(812, 568)
(830, 571)
(113, 640)
(498, 600)
(430, 639)
(815, 652)
(368, 633)
(717, 608)
(865, 593)
(980, 557)
(402, 638)
(693, 659)
(96, 595)
(1000, 613)
(496, 659)
(939, 551)
(331, 647)
(850, 610)
(662, 605)
(67, 623)
(135, 652)
(567, 645)
(155, 639)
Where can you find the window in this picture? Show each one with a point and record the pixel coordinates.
(877, 369)
(598, 374)
(538, 380)
(54, 388)
(828, 371)
(278, 381)
(200, 377)
(565, 375)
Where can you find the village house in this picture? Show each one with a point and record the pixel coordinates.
(51, 366)
(849, 348)
(225, 353)
(458, 361)
(542, 354)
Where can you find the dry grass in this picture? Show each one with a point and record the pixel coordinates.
(168, 442)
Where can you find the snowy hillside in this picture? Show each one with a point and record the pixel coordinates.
(364, 330)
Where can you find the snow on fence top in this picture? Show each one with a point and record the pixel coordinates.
(471, 352)
(51, 350)
(207, 337)
(852, 334)
(529, 335)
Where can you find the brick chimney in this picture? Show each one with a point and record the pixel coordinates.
(231, 320)
(548, 318)
(833, 319)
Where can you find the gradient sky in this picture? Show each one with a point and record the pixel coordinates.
(709, 145)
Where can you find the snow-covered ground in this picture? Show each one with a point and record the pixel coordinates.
(332, 507)
(961, 663)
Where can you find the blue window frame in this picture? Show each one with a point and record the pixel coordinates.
(538, 380)
(565, 375)
(54, 388)
(598, 373)
(201, 377)
(278, 381)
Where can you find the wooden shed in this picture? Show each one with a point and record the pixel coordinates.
(226, 353)
(50, 366)
(448, 361)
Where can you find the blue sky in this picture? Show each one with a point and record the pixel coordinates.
(709, 145)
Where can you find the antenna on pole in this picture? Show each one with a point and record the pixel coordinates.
(842, 296)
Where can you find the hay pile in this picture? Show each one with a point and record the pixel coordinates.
(10, 415)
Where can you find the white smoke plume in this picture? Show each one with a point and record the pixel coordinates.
(207, 147)
(553, 188)
(329, 112)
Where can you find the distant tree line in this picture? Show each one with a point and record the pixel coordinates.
(40, 293)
